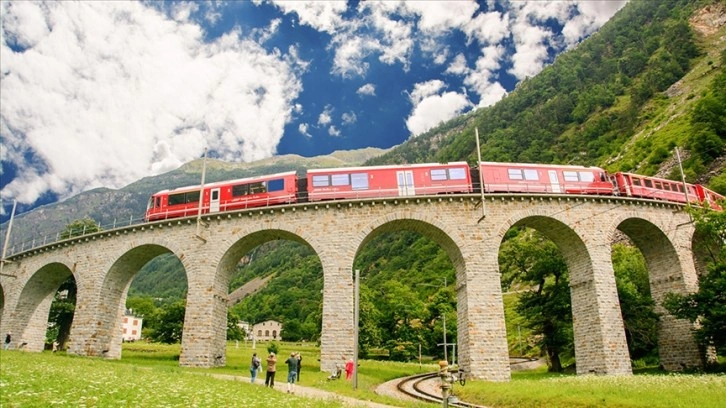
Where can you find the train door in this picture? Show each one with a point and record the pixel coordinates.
(214, 200)
(554, 182)
(405, 183)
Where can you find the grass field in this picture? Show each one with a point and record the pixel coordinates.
(148, 375)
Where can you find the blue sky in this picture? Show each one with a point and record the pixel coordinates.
(101, 94)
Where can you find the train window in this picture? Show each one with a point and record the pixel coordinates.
(570, 176)
(457, 174)
(359, 181)
(531, 174)
(240, 190)
(658, 185)
(192, 197)
(586, 176)
(667, 186)
(648, 183)
(340, 179)
(438, 174)
(321, 181)
(215, 195)
(636, 182)
(276, 185)
(680, 187)
(158, 202)
(176, 199)
(257, 188)
(515, 174)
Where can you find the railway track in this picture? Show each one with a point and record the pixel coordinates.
(427, 387)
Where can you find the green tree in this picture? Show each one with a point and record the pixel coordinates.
(402, 321)
(80, 227)
(170, 323)
(534, 262)
(234, 332)
(369, 334)
(142, 306)
(636, 304)
(61, 313)
(707, 306)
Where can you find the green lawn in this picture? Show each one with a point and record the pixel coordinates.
(148, 375)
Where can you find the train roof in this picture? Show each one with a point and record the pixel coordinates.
(387, 167)
(549, 166)
(226, 182)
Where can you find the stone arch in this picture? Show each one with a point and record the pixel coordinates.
(436, 230)
(667, 272)
(599, 334)
(226, 256)
(110, 306)
(29, 320)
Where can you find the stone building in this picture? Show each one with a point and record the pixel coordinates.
(267, 330)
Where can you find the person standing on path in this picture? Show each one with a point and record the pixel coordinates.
(299, 365)
(291, 372)
(254, 367)
(8, 339)
(349, 369)
(270, 377)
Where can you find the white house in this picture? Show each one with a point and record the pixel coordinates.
(132, 327)
(245, 327)
(267, 330)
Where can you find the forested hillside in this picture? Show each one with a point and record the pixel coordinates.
(652, 79)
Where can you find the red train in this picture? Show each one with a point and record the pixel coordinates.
(416, 180)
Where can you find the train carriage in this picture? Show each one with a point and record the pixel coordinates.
(544, 178)
(388, 181)
(709, 198)
(635, 185)
(222, 196)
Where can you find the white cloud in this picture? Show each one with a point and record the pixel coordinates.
(268, 32)
(367, 89)
(458, 66)
(303, 129)
(325, 117)
(333, 131)
(431, 106)
(23, 23)
(106, 93)
(182, 11)
(482, 78)
(350, 52)
(349, 118)
(531, 49)
(438, 17)
(488, 28)
(321, 15)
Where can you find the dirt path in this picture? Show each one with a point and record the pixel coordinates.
(308, 392)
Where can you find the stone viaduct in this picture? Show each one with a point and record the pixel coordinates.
(583, 227)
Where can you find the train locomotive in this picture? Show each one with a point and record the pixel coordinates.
(418, 180)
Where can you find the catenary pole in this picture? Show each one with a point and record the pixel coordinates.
(7, 237)
(356, 307)
(201, 195)
(481, 176)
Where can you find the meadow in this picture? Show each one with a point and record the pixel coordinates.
(148, 375)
